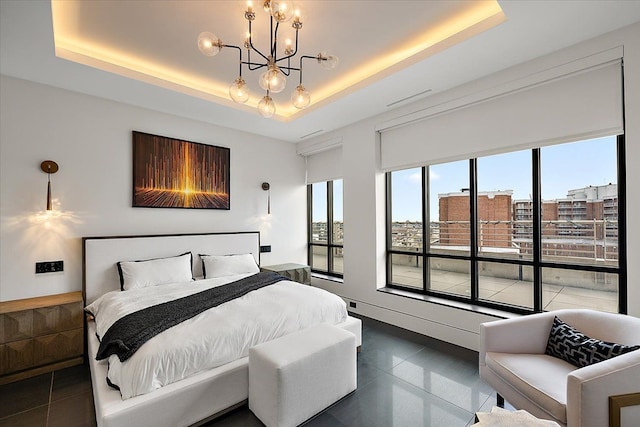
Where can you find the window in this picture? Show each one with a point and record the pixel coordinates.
(525, 231)
(324, 205)
(406, 230)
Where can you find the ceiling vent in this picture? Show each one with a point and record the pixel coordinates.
(413, 97)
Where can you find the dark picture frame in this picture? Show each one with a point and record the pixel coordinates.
(174, 173)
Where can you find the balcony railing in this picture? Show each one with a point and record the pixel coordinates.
(582, 240)
(590, 243)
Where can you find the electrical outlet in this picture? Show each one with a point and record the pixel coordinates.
(49, 267)
(352, 304)
(266, 248)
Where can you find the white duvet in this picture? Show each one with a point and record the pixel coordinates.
(215, 337)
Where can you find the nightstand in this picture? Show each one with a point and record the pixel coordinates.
(296, 272)
(39, 335)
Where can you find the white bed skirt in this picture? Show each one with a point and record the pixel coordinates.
(182, 403)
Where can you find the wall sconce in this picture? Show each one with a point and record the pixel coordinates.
(49, 167)
(267, 187)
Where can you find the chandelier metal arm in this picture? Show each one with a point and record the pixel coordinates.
(301, 58)
(274, 40)
(282, 67)
(286, 70)
(252, 47)
(295, 52)
(239, 54)
(256, 68)
(274, 46)
(249, 63)
(255, 65)
(290, 68)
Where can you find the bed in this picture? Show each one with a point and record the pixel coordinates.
(189, 401)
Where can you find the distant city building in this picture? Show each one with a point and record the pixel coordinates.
(319, 231)
(494, 211)
(407, 235)
(583, 224)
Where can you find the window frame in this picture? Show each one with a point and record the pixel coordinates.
(536, 262)
(330, 244)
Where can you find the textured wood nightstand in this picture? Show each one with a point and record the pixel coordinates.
(296, 272)
(39, 335)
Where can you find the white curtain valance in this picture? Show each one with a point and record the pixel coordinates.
(324, 165)
(580, 105)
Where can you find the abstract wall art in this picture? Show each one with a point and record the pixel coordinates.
(172, 173)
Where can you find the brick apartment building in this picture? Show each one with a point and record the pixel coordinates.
(494, 208)
(584, 224)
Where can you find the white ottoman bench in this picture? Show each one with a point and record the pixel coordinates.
(296, 376)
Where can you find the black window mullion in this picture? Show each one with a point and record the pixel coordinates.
(329, 226)
(426, 230)
(309, 224)
(622, 226)
(473, 228)
(389, 226)
(537, 230)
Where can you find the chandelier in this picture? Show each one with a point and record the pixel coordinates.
(277, 67)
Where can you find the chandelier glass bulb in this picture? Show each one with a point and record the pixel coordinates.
(208, 43)
(266, 107)
(239, 91)
(300, 98)
(328, 62)
(273, 80)
(282, 10)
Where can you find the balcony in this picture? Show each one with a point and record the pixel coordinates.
(575, 242)
(512, 284)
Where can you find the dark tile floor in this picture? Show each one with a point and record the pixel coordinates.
(404, 379)
(60, 398)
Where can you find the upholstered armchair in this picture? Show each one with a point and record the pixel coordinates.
(514, 363)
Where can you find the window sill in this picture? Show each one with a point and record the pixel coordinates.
(327, 277)
(450, 303)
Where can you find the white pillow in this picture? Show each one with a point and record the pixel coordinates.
(228, 265)
(153, 272)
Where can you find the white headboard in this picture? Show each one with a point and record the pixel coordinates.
(100, 254)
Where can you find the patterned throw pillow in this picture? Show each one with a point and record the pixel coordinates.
(606, 350)
(569, 344)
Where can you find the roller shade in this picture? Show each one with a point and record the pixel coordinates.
(580, 105)
(325, 165)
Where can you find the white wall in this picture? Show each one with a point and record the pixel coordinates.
(364, 216)
(90, 138)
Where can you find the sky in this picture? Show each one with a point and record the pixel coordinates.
(564, 167)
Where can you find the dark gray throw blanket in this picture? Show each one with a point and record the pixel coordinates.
(128, 333)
